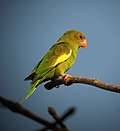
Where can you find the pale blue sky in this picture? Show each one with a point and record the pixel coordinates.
(29, 28)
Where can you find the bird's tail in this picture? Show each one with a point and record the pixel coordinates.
(30, 91)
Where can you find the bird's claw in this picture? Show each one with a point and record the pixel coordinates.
(66, 79)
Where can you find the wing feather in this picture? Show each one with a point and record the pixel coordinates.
(57, 54)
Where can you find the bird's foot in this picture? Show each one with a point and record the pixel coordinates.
(66, 79)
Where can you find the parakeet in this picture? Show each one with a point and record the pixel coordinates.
(57, 60)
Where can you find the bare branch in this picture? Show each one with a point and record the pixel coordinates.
(60, 120)
(17, 108)
(53, 113)
(89, 81)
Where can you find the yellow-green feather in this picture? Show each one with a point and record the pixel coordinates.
(30, 91)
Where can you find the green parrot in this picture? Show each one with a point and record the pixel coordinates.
(57, 60)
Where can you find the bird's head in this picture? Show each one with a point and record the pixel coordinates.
(77, 37)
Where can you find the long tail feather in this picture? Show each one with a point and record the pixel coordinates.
(30, 91)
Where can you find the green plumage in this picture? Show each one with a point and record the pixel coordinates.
(57, 60)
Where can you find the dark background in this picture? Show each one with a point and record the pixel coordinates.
(29, 28)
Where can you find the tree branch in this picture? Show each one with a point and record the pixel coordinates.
(71, 80)
(53, 113)
(59, 120)
(17, 108)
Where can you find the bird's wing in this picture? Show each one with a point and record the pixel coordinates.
(57, 54)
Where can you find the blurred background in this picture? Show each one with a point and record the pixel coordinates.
(29, 28)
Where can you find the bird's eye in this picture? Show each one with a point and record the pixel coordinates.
(81, 37)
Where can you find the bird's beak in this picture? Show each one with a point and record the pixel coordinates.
(84, 43)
